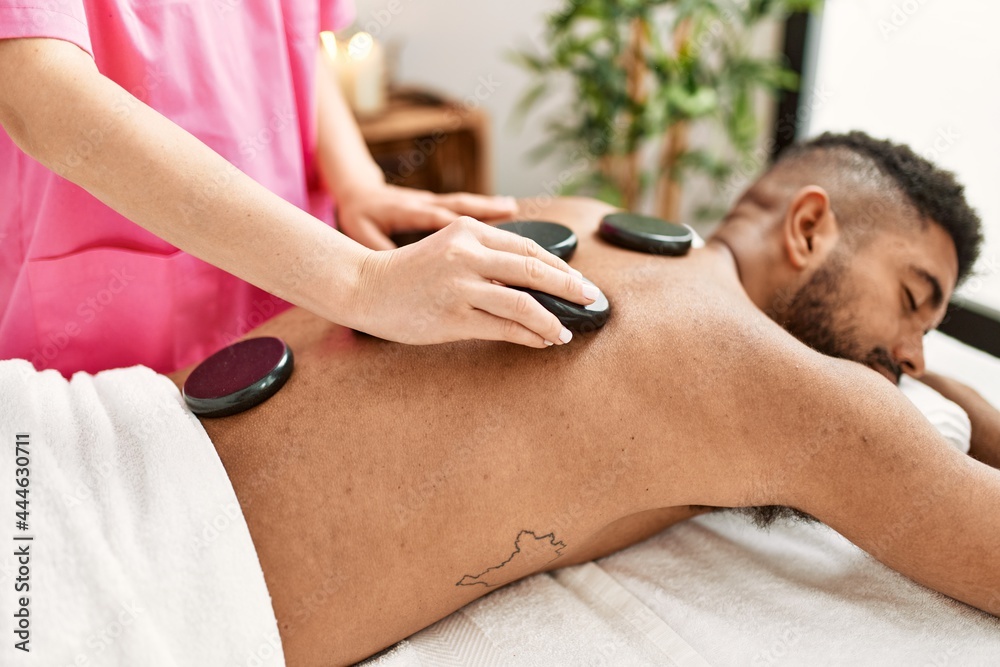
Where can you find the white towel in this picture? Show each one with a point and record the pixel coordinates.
(573, 617)
(141, 555)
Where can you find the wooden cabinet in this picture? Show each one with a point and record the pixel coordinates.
(431, 144)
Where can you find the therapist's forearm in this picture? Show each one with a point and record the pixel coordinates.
(345, 163)
(60, 110)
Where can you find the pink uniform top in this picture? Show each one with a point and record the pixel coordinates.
(83, 288)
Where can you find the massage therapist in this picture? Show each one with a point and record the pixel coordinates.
(168, 166)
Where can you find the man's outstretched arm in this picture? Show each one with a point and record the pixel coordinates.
(985, 419)
(891, 485)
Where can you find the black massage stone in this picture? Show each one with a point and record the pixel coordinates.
(557, 239)
(238, 377)
(646, 234)
(576, 318)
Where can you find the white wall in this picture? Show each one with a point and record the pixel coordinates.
(458, 47)
(921, 72)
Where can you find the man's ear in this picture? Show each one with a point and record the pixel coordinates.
(810, 229)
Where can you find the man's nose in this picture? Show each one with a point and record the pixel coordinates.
(909, 355)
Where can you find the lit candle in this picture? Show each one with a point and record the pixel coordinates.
(360, 69)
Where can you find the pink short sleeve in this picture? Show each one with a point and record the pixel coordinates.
(239, 75)
(336, 14)
(59, 19)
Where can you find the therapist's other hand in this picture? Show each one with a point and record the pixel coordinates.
(444, 288)
(370, 214)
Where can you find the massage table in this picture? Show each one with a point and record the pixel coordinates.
(132, 567)
(716, 590)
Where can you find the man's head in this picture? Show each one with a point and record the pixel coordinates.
(855, 246)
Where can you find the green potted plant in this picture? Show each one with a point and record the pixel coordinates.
(642, 71)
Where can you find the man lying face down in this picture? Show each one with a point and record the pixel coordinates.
(407, 481)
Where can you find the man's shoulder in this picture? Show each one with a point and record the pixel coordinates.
(687, 303)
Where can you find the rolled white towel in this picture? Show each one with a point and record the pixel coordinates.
(946, 416)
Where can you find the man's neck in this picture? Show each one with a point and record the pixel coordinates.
(756, 286)
(728, 262)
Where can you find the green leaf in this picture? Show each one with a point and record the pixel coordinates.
(527, 102)
(528, 61)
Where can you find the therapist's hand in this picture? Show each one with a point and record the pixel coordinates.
(369, 214)
(444, 288)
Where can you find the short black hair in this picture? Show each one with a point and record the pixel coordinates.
(764, 516)
(933, 192)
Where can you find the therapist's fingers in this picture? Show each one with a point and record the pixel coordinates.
(426, 216)
(440, 289)
(491, 327)
(478, 206)
(367, 233)
(517, 318)
(532, 272)
(522, 262)
(501, 239)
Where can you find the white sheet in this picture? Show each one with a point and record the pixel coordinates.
(716, 590)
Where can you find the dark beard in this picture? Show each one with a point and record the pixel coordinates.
(812, 317)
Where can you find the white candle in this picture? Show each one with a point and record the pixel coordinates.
(360, 68)
(369, 80)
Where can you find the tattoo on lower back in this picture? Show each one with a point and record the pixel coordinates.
(530, 553)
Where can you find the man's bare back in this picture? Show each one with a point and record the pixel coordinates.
(386, 486)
